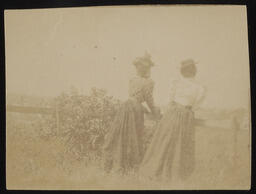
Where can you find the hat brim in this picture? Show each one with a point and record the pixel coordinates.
(189, 63)
(145, 64)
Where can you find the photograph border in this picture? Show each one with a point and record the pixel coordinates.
(32, 4)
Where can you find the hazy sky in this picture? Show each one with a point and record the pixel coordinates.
(49, 50)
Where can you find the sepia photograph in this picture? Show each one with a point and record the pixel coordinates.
(142, 97)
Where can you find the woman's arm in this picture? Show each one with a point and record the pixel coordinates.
(149, 96)
(145, 109)
(172, 90)
(200, 97)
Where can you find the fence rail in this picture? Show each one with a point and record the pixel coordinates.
(232, 125)
(207, 123)
(29, 109)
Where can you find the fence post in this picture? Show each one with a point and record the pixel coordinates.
(235, 126)
(57, 118)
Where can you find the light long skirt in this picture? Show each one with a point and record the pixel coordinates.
(175, 130)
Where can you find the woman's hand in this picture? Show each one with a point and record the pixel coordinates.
(156, 115)
(145, 110)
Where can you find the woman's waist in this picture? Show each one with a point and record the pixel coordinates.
(136, 99)
(181, 104)
(134, 102)
(184, 102)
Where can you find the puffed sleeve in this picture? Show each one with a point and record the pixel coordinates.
(149, 87)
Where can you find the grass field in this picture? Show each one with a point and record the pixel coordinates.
(34, 162)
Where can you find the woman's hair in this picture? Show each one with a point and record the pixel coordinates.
(143, 65)
(188, 70)
(143, 71)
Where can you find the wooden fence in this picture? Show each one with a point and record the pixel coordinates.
(29, 109)
(234, 126)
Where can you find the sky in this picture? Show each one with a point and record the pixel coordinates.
(50, 50)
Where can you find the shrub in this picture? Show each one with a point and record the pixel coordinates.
(83, 121)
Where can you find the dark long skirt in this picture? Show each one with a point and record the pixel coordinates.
(175, 129)
(123, 143)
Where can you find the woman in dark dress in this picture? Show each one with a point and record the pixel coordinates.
(123, 143)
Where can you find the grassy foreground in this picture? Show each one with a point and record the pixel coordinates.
(34, 162)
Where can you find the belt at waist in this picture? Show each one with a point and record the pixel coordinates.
(181, 105)
(134, 99)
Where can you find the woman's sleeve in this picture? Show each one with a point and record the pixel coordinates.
(172, 90)
(149, 95)
(200, 97)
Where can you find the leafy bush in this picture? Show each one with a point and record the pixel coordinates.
(83, 121)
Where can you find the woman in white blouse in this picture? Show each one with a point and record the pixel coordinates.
(176, 132)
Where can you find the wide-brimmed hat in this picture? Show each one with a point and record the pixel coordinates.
(144, 61)
(188, 62)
